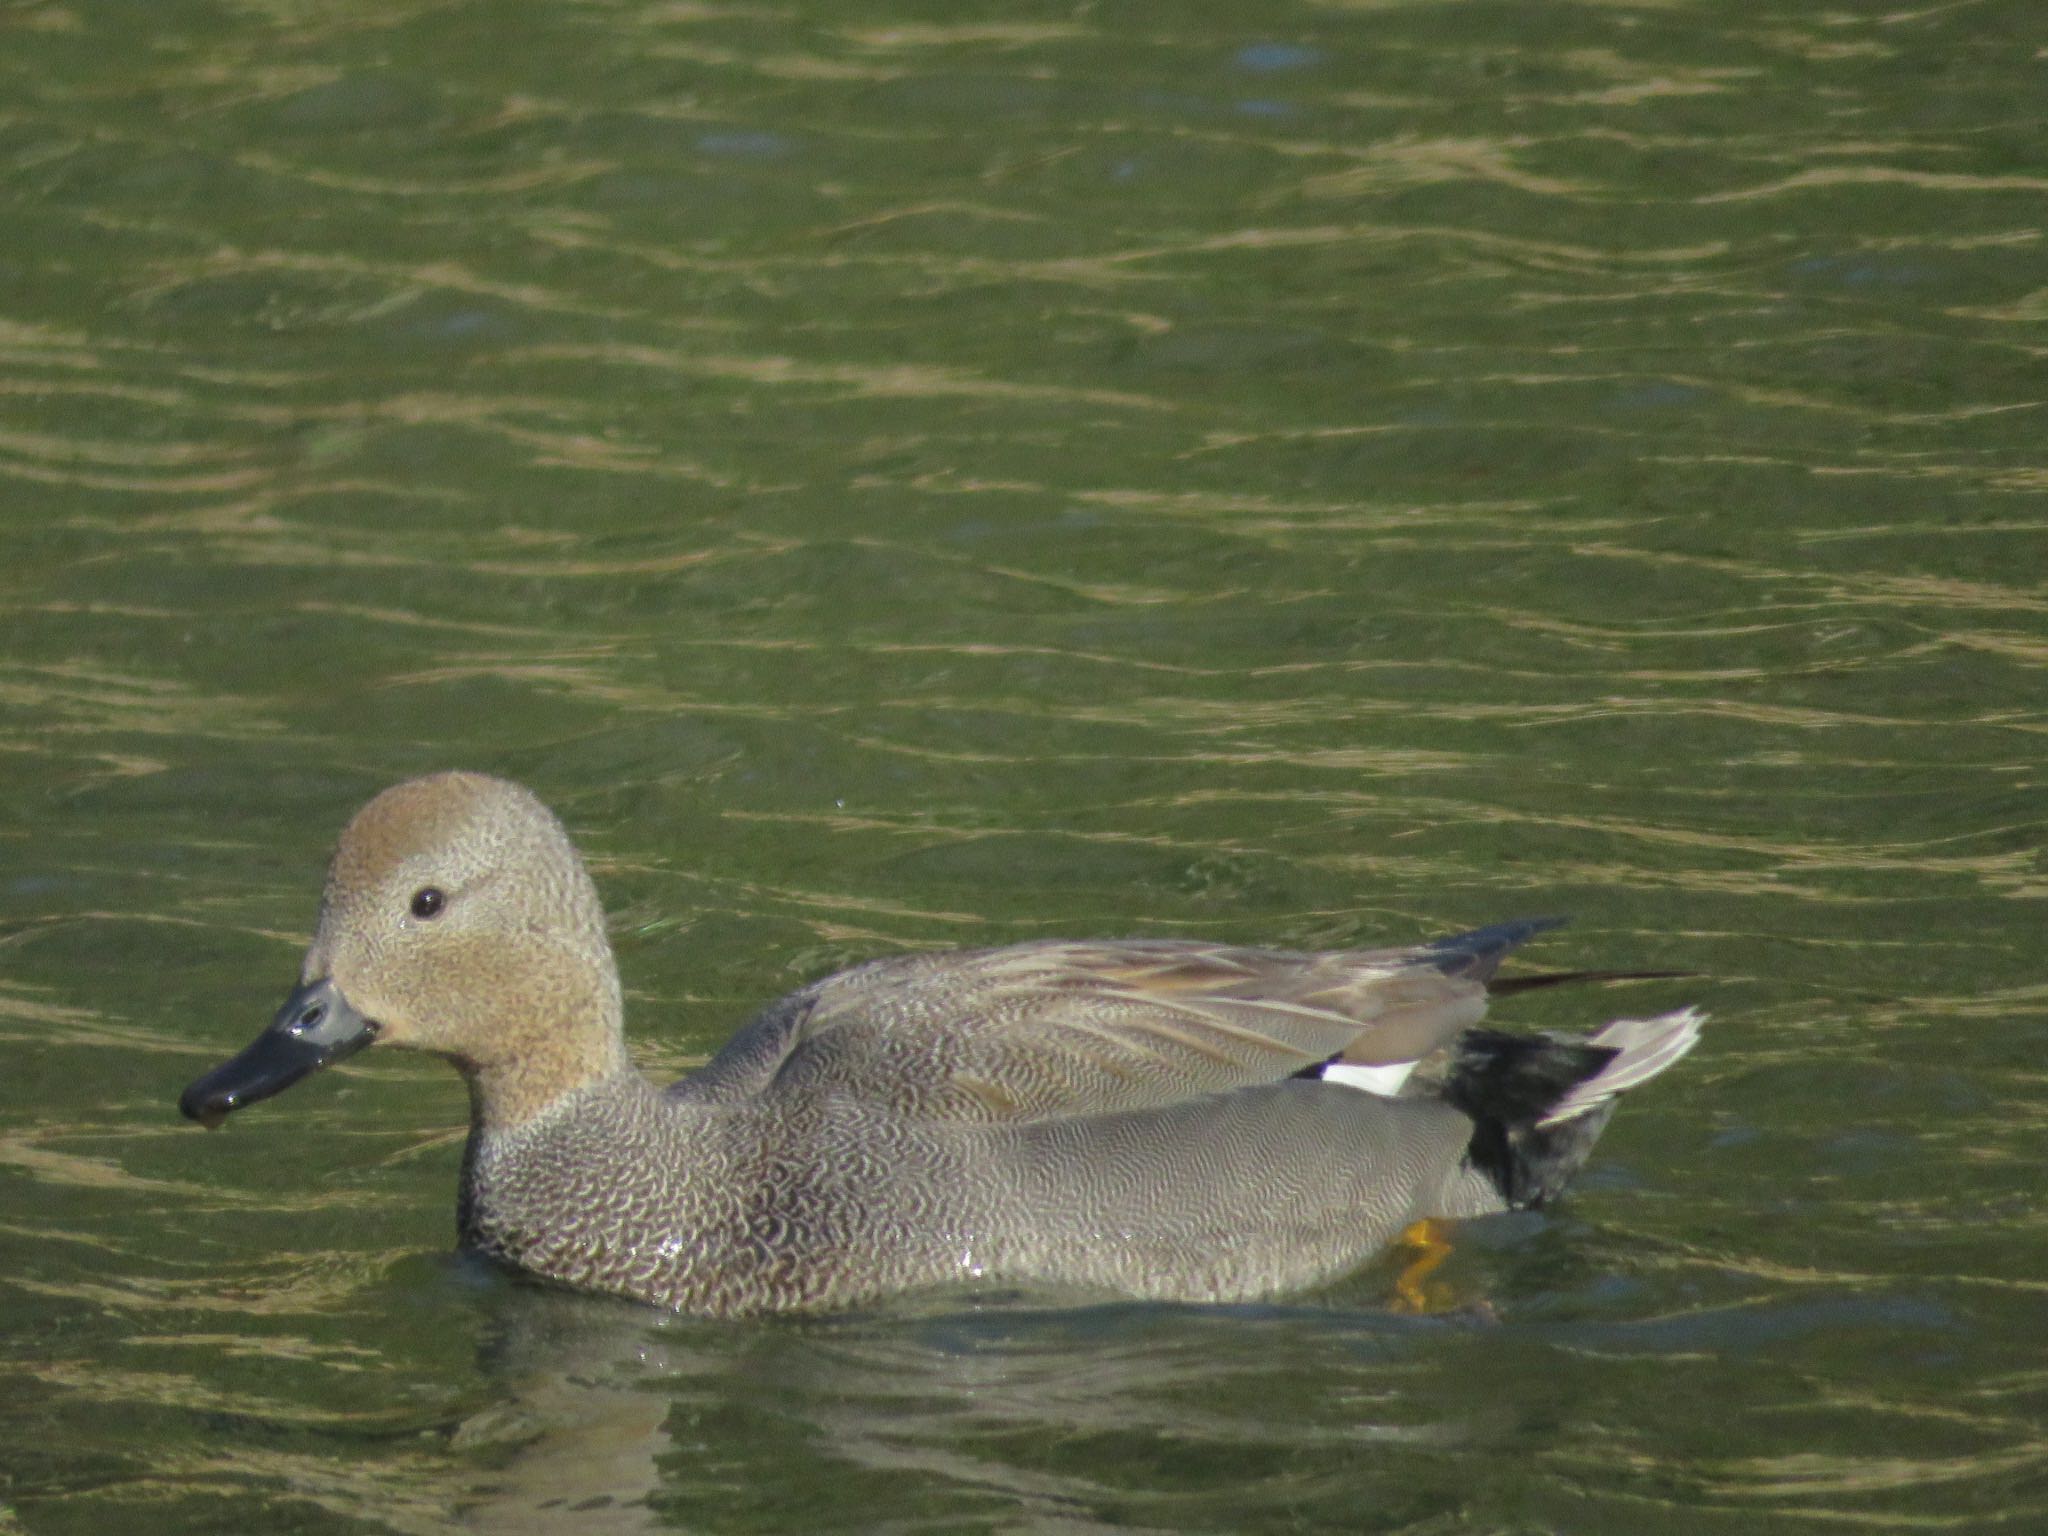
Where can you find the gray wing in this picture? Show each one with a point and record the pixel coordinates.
(1061, 1028)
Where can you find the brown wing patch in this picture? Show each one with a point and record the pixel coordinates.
(1000, 1104)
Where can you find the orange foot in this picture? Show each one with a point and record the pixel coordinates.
(1427, 1244)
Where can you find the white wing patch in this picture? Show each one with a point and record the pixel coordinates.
(1385, 1080)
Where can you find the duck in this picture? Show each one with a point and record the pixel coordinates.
(1166, 1119)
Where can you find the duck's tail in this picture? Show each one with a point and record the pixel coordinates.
(1539, 1102)
(1478, 954)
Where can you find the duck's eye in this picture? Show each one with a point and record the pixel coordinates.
(428, 902)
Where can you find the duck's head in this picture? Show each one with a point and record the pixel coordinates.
(457, 919)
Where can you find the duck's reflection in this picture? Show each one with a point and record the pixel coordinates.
(579, 1417)
(628, 1420)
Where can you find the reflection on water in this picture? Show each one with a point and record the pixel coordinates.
(1157, 1418)
(900, 481)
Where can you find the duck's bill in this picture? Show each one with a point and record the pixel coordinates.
(315, 1028)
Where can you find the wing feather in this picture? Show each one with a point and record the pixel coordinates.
(1060, 1028)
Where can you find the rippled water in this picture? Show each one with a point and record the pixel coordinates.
(901, 476)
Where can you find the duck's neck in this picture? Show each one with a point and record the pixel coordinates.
(571, 1057)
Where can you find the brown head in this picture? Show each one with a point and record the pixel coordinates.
(457, 919)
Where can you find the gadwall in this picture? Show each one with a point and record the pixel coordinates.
(1155, 1118)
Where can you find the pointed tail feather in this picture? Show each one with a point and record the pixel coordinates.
(1502, 986)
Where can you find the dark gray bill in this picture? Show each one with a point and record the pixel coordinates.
(315, 1028)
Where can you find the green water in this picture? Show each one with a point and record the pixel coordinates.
(903, 474)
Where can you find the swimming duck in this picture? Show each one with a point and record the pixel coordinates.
(1157, 1118)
